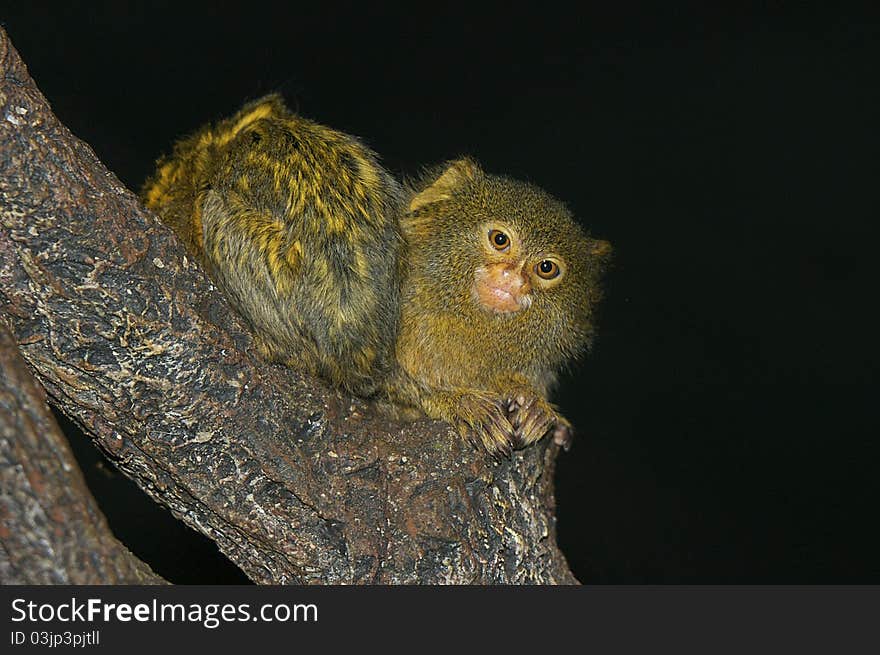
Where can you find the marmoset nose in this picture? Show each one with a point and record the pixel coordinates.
(510, 277)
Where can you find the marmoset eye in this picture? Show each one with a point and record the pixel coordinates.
(499, 240)
(547, 269)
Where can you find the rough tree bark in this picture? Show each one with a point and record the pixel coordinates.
(295, 482)
(51, 530)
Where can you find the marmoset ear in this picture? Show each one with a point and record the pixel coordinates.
(455, 175)
(600, 249)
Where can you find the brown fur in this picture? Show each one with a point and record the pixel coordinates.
(304, 231)
(487, 371)
(298, 224)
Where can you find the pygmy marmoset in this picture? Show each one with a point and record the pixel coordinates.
(461, 296)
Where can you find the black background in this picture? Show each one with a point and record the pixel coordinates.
(726, 418)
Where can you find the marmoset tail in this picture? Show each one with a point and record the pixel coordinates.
(498, 296)
(299, 225)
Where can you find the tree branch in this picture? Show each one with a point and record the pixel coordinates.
(51, 530)
(295, 482)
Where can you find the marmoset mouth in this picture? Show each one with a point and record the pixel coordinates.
(499, 288)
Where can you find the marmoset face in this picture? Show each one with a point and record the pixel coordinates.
(513, 272)
(507, 258)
